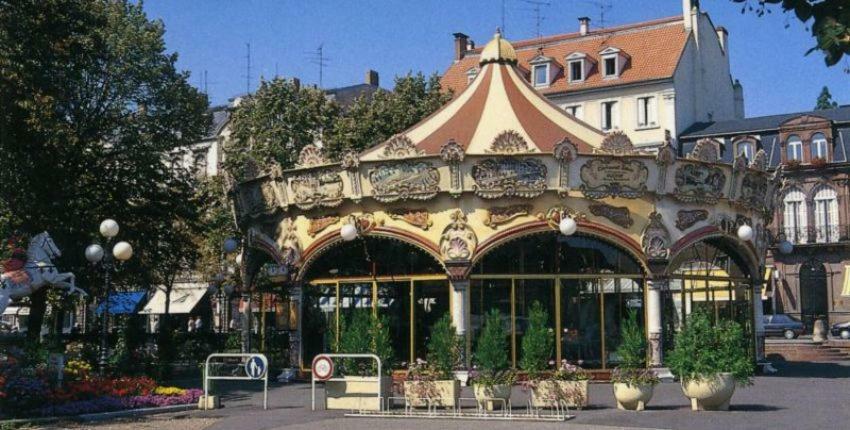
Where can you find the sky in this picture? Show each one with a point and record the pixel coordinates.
(397, 37)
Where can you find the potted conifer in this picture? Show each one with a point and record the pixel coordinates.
(491, 378)
(363, 332)
(633, 382)
(432, 382)
(710, 361)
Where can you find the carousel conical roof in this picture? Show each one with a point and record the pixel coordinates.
(498, 101)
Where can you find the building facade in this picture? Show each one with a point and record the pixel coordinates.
(811, 150)
(501, 200)
(649, 80)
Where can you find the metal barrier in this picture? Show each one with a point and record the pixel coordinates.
(256, 367)
(320, 375)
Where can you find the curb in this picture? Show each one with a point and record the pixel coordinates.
(102, 415)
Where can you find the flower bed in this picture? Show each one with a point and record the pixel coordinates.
(112, 403)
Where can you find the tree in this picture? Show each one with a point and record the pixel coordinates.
(825, 100)
(491, 349)
(370, 121)
(538, 341)
(92, 110)
(830, 22)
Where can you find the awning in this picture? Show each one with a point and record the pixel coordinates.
(16, 310)
(183, 300)
(122, 302)
(846, 290)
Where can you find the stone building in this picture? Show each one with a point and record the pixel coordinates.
(811, 150)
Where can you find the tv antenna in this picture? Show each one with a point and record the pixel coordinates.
(318, 58)
(248, 68)
(604, 7)
(536, 6)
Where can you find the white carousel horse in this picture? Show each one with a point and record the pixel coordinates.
(39, 270)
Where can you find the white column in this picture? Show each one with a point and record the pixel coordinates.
(460, 300)
(758, 316)
(653, 319)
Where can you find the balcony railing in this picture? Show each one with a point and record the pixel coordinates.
(813, 234)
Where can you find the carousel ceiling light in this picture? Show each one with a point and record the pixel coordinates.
(745, 233)
(567, 226)
(122, 251)
(109, 228)
(785, 247)
(348, 232)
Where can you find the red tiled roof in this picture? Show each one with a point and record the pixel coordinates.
(653, 48)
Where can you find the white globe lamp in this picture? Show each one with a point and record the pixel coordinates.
(348, 232)
(786, 247)
(109, 228)
(122, 251)
(230, 245)
(567, 226)
(745, 233)
(94, 253)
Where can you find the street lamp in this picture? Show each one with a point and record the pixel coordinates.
(95, 254)
(567, 226)
(218, 287)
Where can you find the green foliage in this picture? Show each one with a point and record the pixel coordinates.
(825, 100)
(632, 349)
(491, 352)
(372, 120)
(829, 21)
(443, 348)
(702, 350)
(538, 341)
(364, 332)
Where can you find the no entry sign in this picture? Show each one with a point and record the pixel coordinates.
(323, 368)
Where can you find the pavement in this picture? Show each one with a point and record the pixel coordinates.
(801, 396)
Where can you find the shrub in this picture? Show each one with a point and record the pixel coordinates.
(443, 348)
(632, 352)
(537, 343)
(491, 353)
(702, 350)
(23, 394)
(365, 332)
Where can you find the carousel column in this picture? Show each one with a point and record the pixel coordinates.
(653, 319)
(295, 294)
(460, 301)
(758, 317)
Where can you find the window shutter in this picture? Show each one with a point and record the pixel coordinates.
(653, 111)
(641, 111)
(615, 113)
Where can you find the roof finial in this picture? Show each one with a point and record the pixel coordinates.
(498, 50)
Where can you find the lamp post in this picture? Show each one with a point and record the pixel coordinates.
(105, 261)
(218, 286)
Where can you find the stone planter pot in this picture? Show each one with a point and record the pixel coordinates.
(356, 393)
(502, 392)
(710, 394)
(441, 394)
(570, 393)
(632, 397)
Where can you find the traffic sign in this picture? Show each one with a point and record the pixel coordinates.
(323, 368)
(255, 367)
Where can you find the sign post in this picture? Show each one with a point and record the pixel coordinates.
(256, 368)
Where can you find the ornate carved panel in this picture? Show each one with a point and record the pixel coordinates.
(497, 216)
(618, 215)
(509, 177)
(705, 150)
(699, 183)
(760, 161)
(400, 146)
(321, 223)
(310, 156)
(556, 213)
(754, 188)
(656, 239)
(415, 217)
(291, 246)
(509, 142)
(404, 180)
(317, 188)
(614, 177)
(452, 154)
(257, 197)
(685, 219)
(617, 143)
(458, 241)
(565, 152)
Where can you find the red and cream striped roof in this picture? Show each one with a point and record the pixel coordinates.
(499, 100)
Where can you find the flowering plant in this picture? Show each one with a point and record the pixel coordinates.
(637, 376)
(77, 370)
(570, 372)
(169, 391)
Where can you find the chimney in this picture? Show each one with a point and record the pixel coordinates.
(372, 78)
(461, 44)
(723, 38)
(583, 25)
(690, 8)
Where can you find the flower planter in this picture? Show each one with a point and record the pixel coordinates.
(441, 394)
(356, 393)
(570, 393)
(206, 403)
(492, 397)
(632, 397)
(710, 394)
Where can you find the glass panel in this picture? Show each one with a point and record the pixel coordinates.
(621, 296)
(527, 292)
(356, 295)
(318, 320)
(394, 303)
(431, 302)
(581, 331)
(486, 294)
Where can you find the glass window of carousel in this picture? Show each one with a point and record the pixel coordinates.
(385, 275)
(585, 284)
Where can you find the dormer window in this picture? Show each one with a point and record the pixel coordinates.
(471, 74)
(794, 150)
(746, 149)
(576, 67)
(540, 74)
(819, 146)
(543, 70)
(613, 61)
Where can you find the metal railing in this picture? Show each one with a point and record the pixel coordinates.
(813, 234)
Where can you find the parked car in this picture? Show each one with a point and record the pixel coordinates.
(782, 325)
(841, 330)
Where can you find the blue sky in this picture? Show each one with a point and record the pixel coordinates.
(394, 37)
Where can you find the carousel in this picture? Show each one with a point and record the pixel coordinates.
(499, 200)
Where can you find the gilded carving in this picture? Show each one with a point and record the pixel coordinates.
(685, 219)
(458, 241)
(618, 215)
(656, 239)
(565, 152)
(754, 188)
(555, 214)
(291, 247)
(400, 146)
(453, 154)
(258, 197)
(705, 150)
(614, 177)
(509, 142)
(497, 216)
(311, 156)
(699, 183)
(509, 177)
(317, 188)
(321, 223)
(350, 160)
(404, 180)
(415, 217)
(617, 143)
